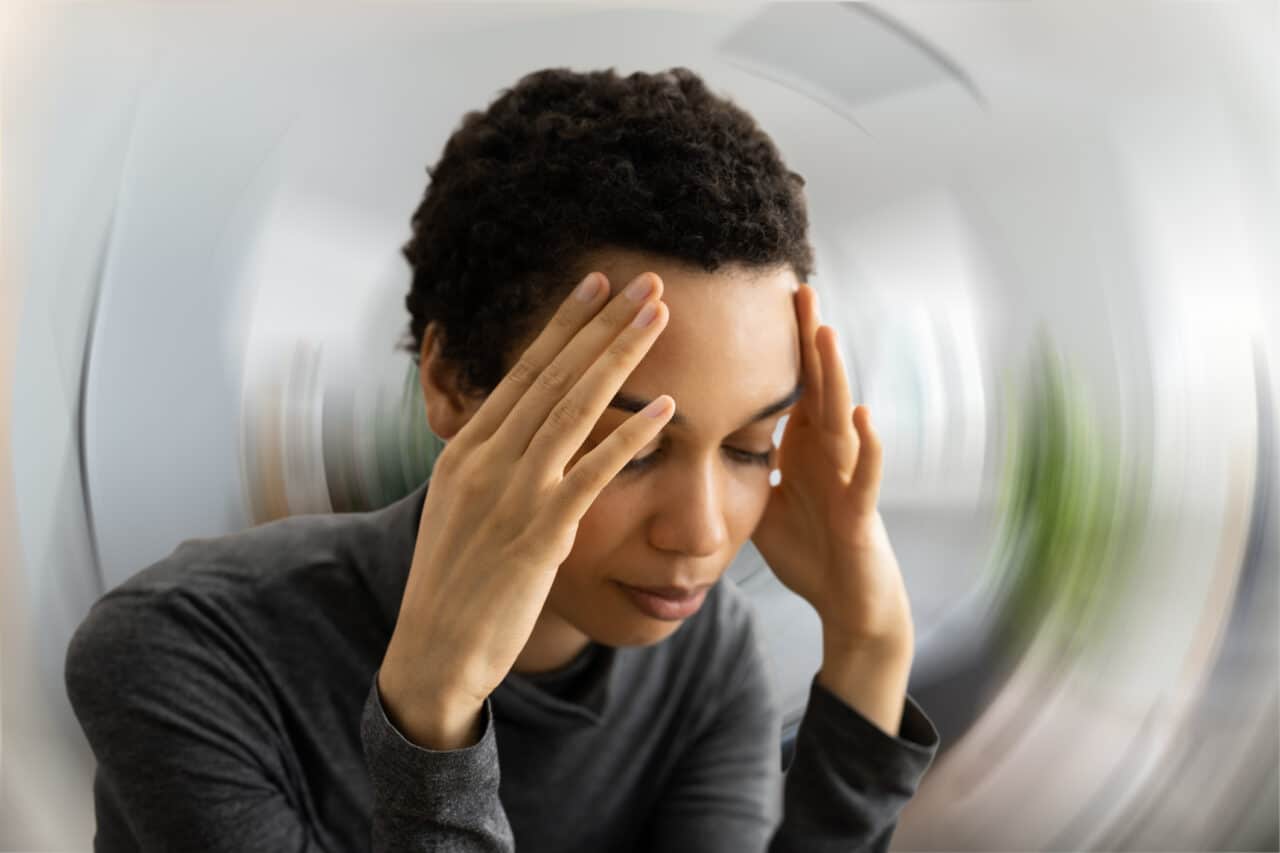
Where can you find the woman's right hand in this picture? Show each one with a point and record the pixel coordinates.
(502, 512)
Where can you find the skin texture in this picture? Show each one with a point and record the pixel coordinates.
(736, 341)
(681, 521)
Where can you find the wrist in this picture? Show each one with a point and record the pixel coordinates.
(869, 677)
(897, 645)
(430, 719)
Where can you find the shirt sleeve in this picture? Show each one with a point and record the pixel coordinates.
(850, 779)
(426, 799)
(189, 756)
(844, 790)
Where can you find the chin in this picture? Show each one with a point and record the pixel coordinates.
(619, 624)
(635, 633)
(606, 615)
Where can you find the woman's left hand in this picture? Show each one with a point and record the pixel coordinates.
(821, 533)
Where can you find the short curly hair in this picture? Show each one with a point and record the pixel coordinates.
(566, 163)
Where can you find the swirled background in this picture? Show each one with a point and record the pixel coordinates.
(1047, 234)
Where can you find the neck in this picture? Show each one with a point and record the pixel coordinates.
(551, 646)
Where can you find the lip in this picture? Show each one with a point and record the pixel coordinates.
(675, 593)
(664, 607)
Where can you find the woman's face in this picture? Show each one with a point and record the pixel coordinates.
(730, 349)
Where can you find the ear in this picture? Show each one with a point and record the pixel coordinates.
(448, 409)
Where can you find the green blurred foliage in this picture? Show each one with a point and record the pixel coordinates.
(1072, 510)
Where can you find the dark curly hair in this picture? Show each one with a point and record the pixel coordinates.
(564, 164)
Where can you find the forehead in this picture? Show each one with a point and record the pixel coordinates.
(731, 345)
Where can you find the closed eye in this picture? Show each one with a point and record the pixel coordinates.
(743, 457)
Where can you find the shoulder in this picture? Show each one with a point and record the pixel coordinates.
(255, 559)
(218, 591)
(280, 565)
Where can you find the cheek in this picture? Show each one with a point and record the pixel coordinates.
(608, 517)
(604, 527)
(745, 502)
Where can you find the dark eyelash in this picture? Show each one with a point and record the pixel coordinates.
(743, 456)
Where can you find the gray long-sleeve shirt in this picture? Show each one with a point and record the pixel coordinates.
(229, 695)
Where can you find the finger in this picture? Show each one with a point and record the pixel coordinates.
(809, 406)
(841, 440)
(583, 482)
(575, 336)
(837, 400)
(566, 427)
(574, 312)
(866, 479)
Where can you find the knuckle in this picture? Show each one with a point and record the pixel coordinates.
(475, 473)
(565, 321)
(443, 465)
(472, 487)
(589, 472)
(455, 456)
(621, 349)
(523, 374)
(530, 481)
(554, 380)
(567, 414)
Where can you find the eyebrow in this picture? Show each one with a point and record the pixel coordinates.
(635, 404)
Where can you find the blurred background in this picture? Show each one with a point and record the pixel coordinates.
(1048, 235)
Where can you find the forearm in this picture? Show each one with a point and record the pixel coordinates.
(870, 677)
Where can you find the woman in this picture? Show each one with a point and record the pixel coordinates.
(532, 650)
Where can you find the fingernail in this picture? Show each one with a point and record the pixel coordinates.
(656, 409)
(589, 288)
(646, 315)
(640, 288)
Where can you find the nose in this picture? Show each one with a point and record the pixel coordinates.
(691, 518)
